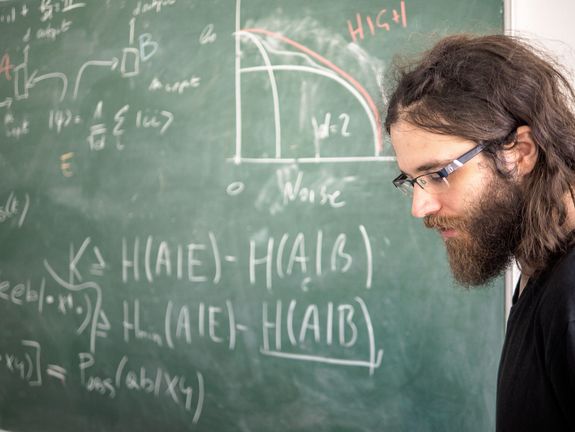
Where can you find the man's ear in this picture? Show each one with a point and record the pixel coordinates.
(522, 155)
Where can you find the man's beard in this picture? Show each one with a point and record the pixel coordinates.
(487, 236)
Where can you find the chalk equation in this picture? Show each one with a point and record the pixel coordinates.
(129, 376)
(93, 92)
(271, 259)
(73, 298)
(338, 326)
(29, 365)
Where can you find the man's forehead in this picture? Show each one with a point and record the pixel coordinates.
(418, 150)
(413, 138)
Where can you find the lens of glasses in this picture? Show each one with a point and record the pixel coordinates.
(433, 183)
(406, 188)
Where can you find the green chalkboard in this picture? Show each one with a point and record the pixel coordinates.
(198, 229)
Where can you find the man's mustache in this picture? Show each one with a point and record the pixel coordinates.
(443, 222)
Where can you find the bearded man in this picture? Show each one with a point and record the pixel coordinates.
(484, 133)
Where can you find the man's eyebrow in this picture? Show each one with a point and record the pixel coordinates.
(434, 165)
(430, 166)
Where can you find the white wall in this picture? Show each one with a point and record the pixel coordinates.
(550, 22)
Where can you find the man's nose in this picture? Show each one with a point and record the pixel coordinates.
(423, 203)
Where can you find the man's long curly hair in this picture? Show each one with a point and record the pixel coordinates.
(483, 88)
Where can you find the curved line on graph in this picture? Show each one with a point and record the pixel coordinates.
(272, 78)
(292, 54)
(335, 68)
(330, 75)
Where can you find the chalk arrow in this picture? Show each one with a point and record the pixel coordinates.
(112, 64)
(33, 80)
(30, 81)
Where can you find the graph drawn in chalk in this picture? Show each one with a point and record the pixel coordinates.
(275, 135)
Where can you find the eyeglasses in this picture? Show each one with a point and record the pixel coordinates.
(436, 182)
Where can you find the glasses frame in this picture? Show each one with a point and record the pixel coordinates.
(402, 179)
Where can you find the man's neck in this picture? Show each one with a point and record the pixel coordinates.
(523, 283)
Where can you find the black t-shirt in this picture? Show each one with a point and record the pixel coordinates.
(536, 382)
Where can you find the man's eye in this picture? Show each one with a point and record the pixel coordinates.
(433, 178)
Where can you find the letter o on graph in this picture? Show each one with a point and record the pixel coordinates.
(235, 188)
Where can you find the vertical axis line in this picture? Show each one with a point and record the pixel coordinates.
(238, 86)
